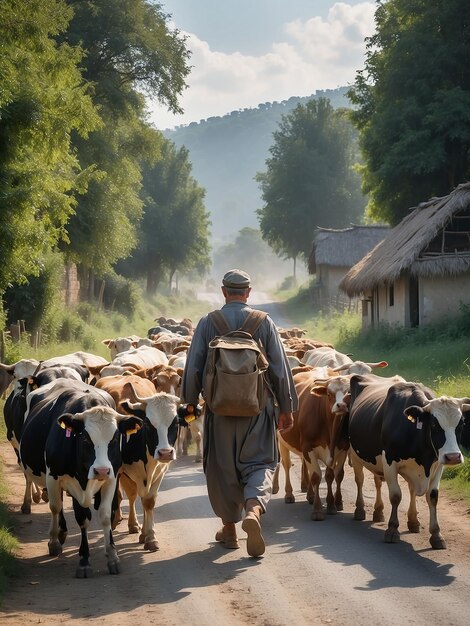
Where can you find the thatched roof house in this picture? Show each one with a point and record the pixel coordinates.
(343, 248)
(419, 256)
(334, 252)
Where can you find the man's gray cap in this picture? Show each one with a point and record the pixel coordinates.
(236, 279)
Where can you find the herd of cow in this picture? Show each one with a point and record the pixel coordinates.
(89, 427)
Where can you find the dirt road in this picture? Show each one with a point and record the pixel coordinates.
(333, 572)
(313, 572)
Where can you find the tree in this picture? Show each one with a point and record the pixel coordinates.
(413, 104)
(43, 99)
(309, 179)
(174, 232)
(130, 51)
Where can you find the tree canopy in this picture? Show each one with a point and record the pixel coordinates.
(43, 100)
(174, 232)
(413, 104)
(309, 180)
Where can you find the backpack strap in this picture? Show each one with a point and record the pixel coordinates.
(220, 323)
(253, 321)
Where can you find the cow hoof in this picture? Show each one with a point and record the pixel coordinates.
(414, 527)
(26, 509)
(37, 497)
(62, 536)
(317, 516)
(133, 530)
(392, 535)
(141, 538)
(289, 499)
(339, 506)
(151, 546)
(84, 571)
(359, 515)
(437, 543)
(114, 567)
(331, 510)
(54, 548)
(45, 496)
(198, 460)
(378, 516)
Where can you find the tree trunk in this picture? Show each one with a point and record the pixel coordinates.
(154, 277)
(295, 269)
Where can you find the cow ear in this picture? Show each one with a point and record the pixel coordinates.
(319, 390)
(68, 422)
(414, 413)
(130, 425)
(33, 382)
(126, 406)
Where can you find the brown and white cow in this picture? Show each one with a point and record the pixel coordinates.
(146, 457)
(319, 435)
(130, 362)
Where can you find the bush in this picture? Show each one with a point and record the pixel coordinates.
(121, 295)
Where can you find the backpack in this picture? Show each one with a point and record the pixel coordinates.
(235, 382)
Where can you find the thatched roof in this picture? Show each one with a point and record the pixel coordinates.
(344, 248)
(433, 240)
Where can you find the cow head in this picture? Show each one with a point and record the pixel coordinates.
(337, 389)
(442, 418)
(161, 412)
(98, 446)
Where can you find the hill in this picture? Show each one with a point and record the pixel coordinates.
(226, 152)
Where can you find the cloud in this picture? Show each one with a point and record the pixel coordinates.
(316, 54)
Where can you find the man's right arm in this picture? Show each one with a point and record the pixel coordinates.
(191, 385)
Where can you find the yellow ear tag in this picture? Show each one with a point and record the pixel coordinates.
(62, 425)
(131, 431)
(189, 418)
(411, 418)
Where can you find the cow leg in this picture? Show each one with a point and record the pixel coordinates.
(27, 498)
(275, 487)
(148, 537)
(105, 512)
(304, 478)
(83, 517)
(314, 469)
(56, 533)
(432, 496)
(413, 522)
(130, 489)
(289, 497)
(378, 515)
(330, 499)
(339, 475)
(198, 441)
(360, 511)
(186, 441)
(199, 438)
(392, 534)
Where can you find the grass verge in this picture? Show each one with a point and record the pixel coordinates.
(8, 542)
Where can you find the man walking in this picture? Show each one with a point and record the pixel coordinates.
(241, 453)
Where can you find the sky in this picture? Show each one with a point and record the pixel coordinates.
(246, 52)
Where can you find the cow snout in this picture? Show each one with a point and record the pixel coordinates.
(340, 407)
(101, 473)
(166, 454)
(453, 458)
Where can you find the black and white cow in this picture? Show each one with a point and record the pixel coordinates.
(401, 428)
(16, 408)
(71, 442)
